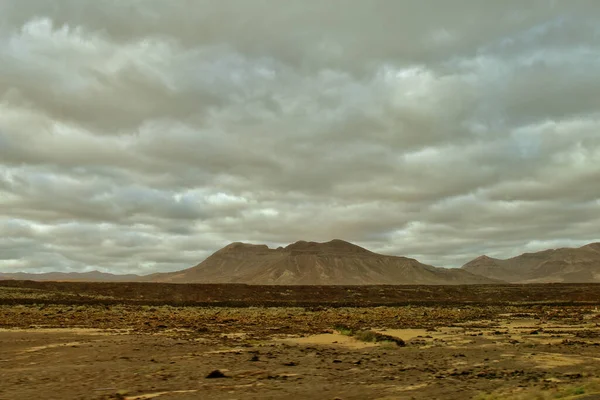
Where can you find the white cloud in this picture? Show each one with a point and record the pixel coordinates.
(140, 136)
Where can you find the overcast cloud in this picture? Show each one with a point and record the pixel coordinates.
(141, 136)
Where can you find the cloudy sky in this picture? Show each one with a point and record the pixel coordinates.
(142, 135)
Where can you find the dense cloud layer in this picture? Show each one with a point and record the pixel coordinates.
(138, 136)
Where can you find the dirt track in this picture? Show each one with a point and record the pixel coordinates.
(101, 351)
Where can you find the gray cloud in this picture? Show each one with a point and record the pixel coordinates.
(140, 136)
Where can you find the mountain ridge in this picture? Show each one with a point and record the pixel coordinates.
(91, 276)
(341, 262)
(566, 264)
(336, 262)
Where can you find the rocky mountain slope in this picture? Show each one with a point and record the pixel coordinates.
(570, 265)
(309, 263)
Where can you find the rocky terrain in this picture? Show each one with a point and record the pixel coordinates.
(101, 341)
(241, 295)
(99, 352)
(556, 265)
(309, 263)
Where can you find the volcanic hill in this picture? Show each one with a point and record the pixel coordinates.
(569, 265)
(310, 263)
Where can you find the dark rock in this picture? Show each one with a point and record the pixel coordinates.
(215, 374)
(573, 375)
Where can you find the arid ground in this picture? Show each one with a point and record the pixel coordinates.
(71, 341)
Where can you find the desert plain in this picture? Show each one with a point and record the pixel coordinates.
(66, 340)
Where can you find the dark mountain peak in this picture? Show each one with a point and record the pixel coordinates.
(335, 246)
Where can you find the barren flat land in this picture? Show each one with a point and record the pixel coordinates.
(62, 340)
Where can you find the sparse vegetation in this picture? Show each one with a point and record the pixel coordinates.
(460, 350)
(367, 335)
(344, 330)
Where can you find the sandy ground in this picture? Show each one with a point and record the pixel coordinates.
(510, 354)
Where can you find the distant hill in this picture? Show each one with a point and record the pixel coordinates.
(309, 263)
(93, 276)
(341, 263)
(570, 265)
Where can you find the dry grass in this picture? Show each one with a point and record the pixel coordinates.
(369, 336)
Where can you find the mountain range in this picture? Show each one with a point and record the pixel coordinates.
(341, 263)
(569, 265)
(92, 276)
(310, 263)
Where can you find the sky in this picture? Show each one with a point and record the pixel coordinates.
(142, 135)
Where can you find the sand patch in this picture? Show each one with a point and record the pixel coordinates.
(460, 344)
(552, 360)
(532, 324)
(451, 337)
(236, 335)
(51, 346)
(225, 351)
(410, 387)
(401, 389)
(479, 324)
(157, 394)
(75, 331)
(329, 339)
(405, 334)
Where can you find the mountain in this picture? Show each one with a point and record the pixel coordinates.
(310, 263)
(570, 265)
(93, 276)
(341, 263)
